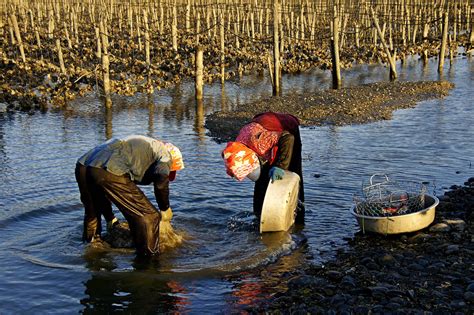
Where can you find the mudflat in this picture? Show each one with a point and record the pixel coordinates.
(352, 105)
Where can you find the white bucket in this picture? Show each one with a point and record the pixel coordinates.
(279, 205)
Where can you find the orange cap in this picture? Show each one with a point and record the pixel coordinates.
(176, 157)
(239, 160)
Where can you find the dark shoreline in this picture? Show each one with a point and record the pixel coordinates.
(426, 272)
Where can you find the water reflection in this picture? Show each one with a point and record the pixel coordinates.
(108, 116)
(140, 287)
(250, 288)
(138, 292)
(199, 121)
(3, 155)
(178, 109)
(151, 115)
(223, 99)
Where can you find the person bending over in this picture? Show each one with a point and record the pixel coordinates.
(269, 144)
(111, 172)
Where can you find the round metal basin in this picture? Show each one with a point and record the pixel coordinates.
(401, 223)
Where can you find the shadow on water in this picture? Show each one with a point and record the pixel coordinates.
(224, 265)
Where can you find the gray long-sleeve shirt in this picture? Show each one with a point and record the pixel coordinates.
(132, 155)
(135, 155)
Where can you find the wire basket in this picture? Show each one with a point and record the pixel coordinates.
(383, 196)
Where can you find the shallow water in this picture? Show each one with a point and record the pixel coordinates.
(224, 264)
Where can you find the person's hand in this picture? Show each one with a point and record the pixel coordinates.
(167, 215)
(276, 173)
(111, 224)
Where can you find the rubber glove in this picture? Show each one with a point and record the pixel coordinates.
(112, 224)
(276, 173)
(166, 215)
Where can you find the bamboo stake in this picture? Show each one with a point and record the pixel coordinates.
(18, 36)
(270, 70)
(32, 22)
(147, 39)
(188, 13)
(130, 21)
(162, 19)
(174, 28)
(442, 50)
(471, 35)
(267, 21)
(139, 33)
(282, 39)
(105, 64)
(99, 48)
(455, 22)
(252, 26)
(60, 56)
(391, 60)
(208, 23)
(404, 38)
(336, 66)
(198, 28)
(199, 73)
(147, 53)
(343, 37)
(69, 43)
(50, 25)
(236, 31)
(12, 33)
(276, 49)
(75, 26)
(357, 35)
(38, 41)
(415, 30)
(222, 41)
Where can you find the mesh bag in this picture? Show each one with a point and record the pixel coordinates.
(383, 196)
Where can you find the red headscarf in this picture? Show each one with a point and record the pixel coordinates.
(277, 121)
(259, 139)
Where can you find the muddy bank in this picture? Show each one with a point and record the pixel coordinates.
(430, 271)
(354, 105)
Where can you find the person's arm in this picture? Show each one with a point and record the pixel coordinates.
(283, 156)
(285, 150)
(162, 192)
(158, 174)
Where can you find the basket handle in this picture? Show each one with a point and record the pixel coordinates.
(378, 175)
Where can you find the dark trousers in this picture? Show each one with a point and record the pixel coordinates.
(99, 188)
(295, 166)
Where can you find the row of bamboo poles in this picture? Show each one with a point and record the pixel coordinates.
(158, 42)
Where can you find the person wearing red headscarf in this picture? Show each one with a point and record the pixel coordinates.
(273, 138)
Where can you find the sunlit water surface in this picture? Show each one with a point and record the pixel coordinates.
(224, 264)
